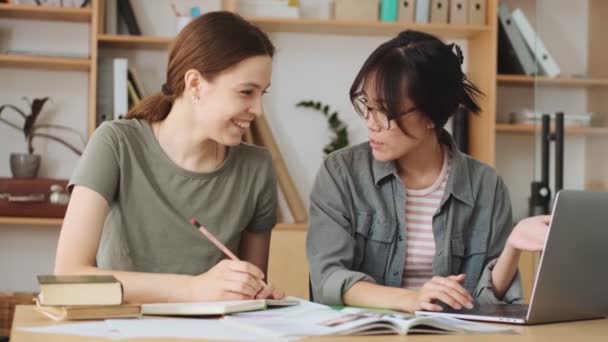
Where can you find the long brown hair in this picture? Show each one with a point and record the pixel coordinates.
(210, 44)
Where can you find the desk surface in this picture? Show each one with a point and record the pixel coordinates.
(594, 330)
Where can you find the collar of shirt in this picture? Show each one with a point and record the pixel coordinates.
(459, 182)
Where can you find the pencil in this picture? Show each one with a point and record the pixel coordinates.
(216, 242)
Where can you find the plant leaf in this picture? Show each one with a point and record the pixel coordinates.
(13, 108)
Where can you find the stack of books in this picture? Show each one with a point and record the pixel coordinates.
(82, 297)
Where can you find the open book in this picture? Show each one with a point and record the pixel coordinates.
(213, 308)
(311, 319)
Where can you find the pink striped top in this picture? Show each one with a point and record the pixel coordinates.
(420, 206)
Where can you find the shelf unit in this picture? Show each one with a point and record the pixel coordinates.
(570, 94)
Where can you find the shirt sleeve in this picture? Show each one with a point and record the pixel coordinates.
(330, 246)
(502, 225)
(265, 216)
(98, 168)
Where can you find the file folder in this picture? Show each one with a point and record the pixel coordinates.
(459, 12)
(514, 57)
(477, 12)
(439, 11)
(406, 11)
(535, 44)
(423, 11)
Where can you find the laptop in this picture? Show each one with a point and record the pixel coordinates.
(572, 279)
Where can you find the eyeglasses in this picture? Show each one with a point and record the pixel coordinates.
(380, 117)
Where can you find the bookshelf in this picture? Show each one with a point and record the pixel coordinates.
(579, 49)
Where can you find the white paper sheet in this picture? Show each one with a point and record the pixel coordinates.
(182, 328)
(89, 329)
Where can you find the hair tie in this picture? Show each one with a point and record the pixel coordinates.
(458, 52)
(165, 89)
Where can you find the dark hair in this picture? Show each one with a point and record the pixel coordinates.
(210, 44)
(419, 66)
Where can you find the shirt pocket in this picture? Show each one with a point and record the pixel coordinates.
(374, 238)
(468, 258)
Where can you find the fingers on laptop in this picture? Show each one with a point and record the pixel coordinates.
(447, 290)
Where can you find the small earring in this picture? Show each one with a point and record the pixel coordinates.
(195, 98)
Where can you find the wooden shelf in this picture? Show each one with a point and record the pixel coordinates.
(134, 42)
(531, 129)
(45, 13)
(302, 26)
(552, 81)
(358, 27)
(34, 221)
(42, 62)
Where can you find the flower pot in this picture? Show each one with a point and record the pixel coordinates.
(25, 165)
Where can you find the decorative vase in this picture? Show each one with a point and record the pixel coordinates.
(24, 165)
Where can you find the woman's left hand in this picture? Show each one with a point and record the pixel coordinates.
(269, 292)
(530, 233)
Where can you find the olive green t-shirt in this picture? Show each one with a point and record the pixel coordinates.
(152, 200)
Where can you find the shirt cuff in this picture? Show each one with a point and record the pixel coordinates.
(339, 282)
(484, 293)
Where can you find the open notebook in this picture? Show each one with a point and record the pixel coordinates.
(311, 319)
(214, 308)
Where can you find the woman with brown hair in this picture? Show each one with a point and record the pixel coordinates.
(177, 156)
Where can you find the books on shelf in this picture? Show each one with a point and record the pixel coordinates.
(268, 8)
(126, 13)
(529, 117)
(546, 62)
(88, 312)
(213, 308)
(68, 290)
(520, 48)
(112, 89)
(514, 56)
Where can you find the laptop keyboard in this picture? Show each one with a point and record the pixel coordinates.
(504, 310)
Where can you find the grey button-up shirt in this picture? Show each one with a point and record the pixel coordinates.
(357, 225)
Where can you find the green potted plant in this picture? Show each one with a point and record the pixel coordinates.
(26, 165)
(337, 126)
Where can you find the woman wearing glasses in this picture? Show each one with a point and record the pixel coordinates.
(406, 221)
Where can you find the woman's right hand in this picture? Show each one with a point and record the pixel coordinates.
(228, 280)
(443, 289)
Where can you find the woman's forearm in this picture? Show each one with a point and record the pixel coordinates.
(366, 294)
(144, 287)
(504, 270)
